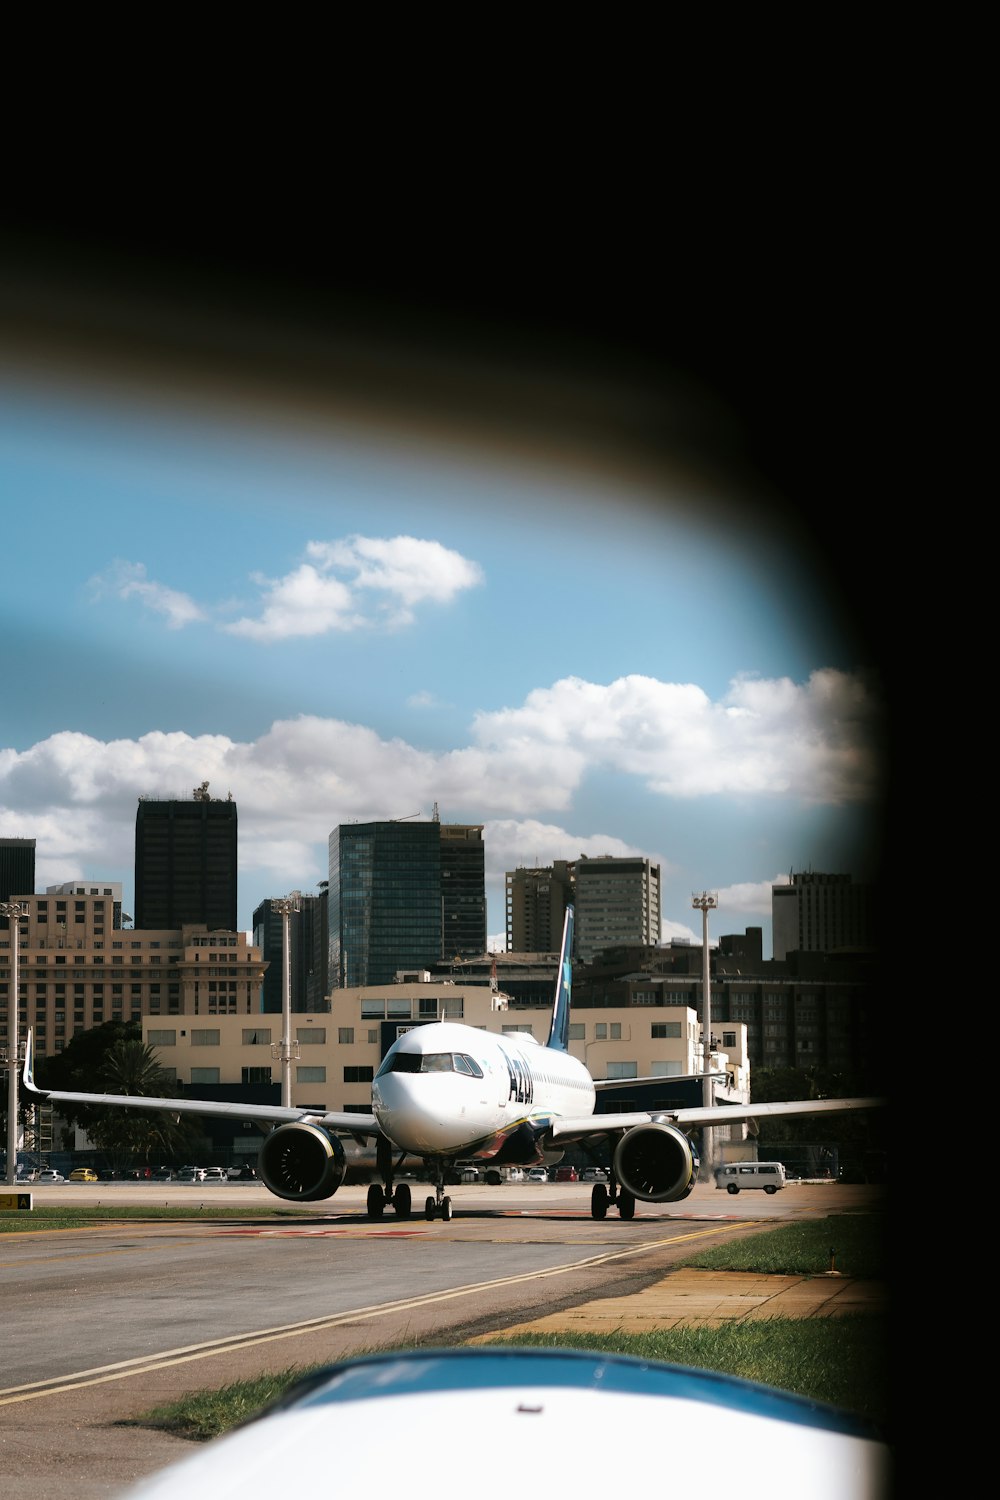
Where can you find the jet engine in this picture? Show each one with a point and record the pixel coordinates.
(302, 1162)
(656, 1162)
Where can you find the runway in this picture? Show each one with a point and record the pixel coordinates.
(102, 1323)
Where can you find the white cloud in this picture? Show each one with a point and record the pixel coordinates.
(511, 843)
(402, 572)
(814, 741)
(410, 570)
(331, 591)
(129, 581)
(77, 795)
(303, 603)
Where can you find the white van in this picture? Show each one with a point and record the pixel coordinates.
(769, 1175)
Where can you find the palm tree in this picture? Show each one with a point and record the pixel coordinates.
(127, 1135)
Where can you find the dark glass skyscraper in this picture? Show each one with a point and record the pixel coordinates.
(185, 862)
(403, 895)
(309, 942)
(17, 868)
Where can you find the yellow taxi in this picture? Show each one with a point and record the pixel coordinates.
(83, 1174)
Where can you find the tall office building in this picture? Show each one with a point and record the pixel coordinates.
(17, 868)
(309, 943)
(463, 889)
(819, 913)
(185, 862)
(403, 895)
(536, 906)
(617, 901)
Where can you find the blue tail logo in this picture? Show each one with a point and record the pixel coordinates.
(559, 1034)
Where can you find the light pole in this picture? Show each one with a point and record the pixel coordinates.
(284, 906)
(705, 903)
(12, 910)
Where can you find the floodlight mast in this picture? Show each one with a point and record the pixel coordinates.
(706, 902)
(12, 910)
(284, 906)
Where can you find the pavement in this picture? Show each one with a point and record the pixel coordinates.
(93, 1453)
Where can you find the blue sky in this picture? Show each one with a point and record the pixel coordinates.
(338, 617)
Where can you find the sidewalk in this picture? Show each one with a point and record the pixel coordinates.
(714, 1297)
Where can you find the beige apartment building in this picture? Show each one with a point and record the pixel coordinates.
(77, 969)
(336, 1055)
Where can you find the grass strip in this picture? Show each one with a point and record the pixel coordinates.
(841, 1360)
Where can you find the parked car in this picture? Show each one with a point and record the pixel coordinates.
(191, 1174)
(537, 1174)
(164, 1174)
(215, 1174)
(246, 1173)
(566, 1174)
(83, 1174)
(593, 1174)
(51, 1175)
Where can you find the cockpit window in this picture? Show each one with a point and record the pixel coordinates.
(466, 1064)
(430, 1062)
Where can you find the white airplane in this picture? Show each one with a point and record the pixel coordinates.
(552, 1414)
(447, 1093)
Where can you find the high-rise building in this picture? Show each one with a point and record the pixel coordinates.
(80, 968)
(536, 906)
(17, 868)
(309, 943)
(819, 913)
(463, 889)
(185, 862)
(617, 901)
(403, 895)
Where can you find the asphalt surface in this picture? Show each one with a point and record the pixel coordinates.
(78, 1444)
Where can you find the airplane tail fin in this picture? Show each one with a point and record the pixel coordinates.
(559, 1032)
(29, 1065)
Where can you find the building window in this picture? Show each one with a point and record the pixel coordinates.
(255, 1075)
(204, 1075)
(256, 1036)
(373, 1035)
(205, 1037)
(664, 1069)
(623, 1070)
(356, 1075)
(313, 1075)
(601, 1032)
(577, 1031)
(311, 1035)
(373, 1010)
(452, 1008)
(663, 1029)
(729, 1038)
(161, 1038)
(345, 1034)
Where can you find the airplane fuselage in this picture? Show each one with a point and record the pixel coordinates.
(455, 1091)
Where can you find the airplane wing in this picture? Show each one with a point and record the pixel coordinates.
(360, 1125)
(569, 1128)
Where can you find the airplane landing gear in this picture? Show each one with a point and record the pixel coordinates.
(380, 1198)
(602, 1196)
(440, 1204)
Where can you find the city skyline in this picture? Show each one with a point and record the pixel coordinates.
(351, 615)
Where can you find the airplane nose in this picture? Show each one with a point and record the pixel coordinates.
(419, 1111)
